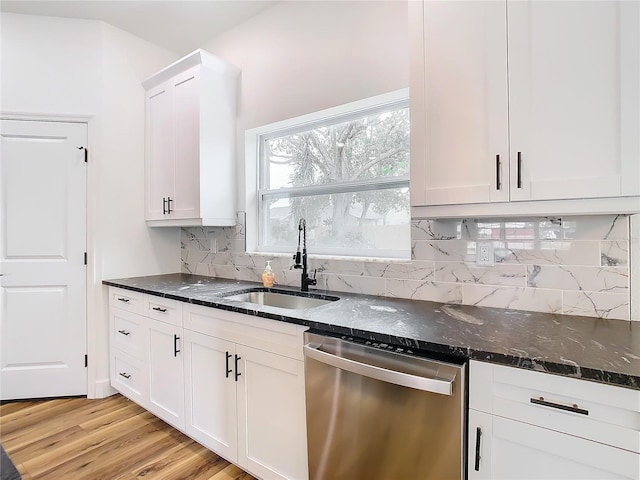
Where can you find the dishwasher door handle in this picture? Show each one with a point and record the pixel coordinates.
(435, 385)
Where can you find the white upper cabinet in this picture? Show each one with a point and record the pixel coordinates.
(519, 101)
(190, 135)
(461, 127)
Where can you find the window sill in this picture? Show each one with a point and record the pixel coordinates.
(333, 257)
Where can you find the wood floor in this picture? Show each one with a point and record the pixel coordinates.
(106, 439)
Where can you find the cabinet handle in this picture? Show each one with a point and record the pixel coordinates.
(158, 309)
(498, 174)
(175, 345)
(125, 300)
(125, 375)
(164, 206)
(519, 179)
(169, 205)
(237, 372)
(478, 437)
(124, 332)
(227, 364)
(569, 408)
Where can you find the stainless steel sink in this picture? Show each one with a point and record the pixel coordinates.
(282, 299)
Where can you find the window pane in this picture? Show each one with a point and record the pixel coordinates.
(374, 146)
(360, 223)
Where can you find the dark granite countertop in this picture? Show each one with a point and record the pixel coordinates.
(581, 347)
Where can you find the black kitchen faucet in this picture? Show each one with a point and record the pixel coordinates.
(300, 258)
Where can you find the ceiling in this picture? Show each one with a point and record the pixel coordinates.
(177, 25)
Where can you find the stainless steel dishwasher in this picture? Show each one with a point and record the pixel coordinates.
(376, 414)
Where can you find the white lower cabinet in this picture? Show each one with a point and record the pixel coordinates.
(247, 405)
(271, 415)
(573, 429)
(166, 374)
(211, 400)
(232, 382)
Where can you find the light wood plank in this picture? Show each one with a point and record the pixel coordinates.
(107, 439)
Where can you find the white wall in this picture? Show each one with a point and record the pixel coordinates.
(55, 66)
(301, 57)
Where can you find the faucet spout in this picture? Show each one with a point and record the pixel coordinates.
(300, 258)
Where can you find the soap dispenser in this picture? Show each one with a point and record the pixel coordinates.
(268, 277)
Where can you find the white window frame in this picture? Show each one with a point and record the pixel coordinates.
(254, 139)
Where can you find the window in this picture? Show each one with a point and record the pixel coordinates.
(345, 171)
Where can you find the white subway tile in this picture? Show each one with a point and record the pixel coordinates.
(444, 250)
(593, 279)
(459, 272)
(614, 253)
(534, 299)
(355, 284)
(548, 252)
(594, 304)
(596, 227)
(425, 290)
(435, 229)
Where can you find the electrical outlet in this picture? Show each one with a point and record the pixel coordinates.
(484, 254)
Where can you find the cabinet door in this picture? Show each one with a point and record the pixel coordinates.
(523, 451)
(272, 441)
(186, 91)
(460, 127)
(479, 445)
(159, 151)
(211, 412)
(166, 375)
(574, 99)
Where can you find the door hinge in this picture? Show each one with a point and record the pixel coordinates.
(86, 154)
(85, 258)
(86, 361)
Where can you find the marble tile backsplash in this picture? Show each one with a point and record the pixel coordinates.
(571, 265)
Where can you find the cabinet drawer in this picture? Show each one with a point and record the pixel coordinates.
(126, 331)
(126, 299)
(262, 333)
(163, 309)
(127, 376)
(599, 412)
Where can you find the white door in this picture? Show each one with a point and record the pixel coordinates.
(166, 373)
(574, 99)
(42, 243)
(272, 432)
(211, 393)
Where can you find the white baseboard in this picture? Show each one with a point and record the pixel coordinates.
(101, 389)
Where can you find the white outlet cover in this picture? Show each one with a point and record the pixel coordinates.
(484, 254)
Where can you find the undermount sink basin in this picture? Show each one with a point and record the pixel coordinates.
(288, 300)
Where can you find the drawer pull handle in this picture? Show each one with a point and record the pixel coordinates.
(125, 300)
(228, 369)
(569, 408)
(125, 375)
(478, 437)
(124, 332)
(158, 309)
(175, 345)
(237, 358)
